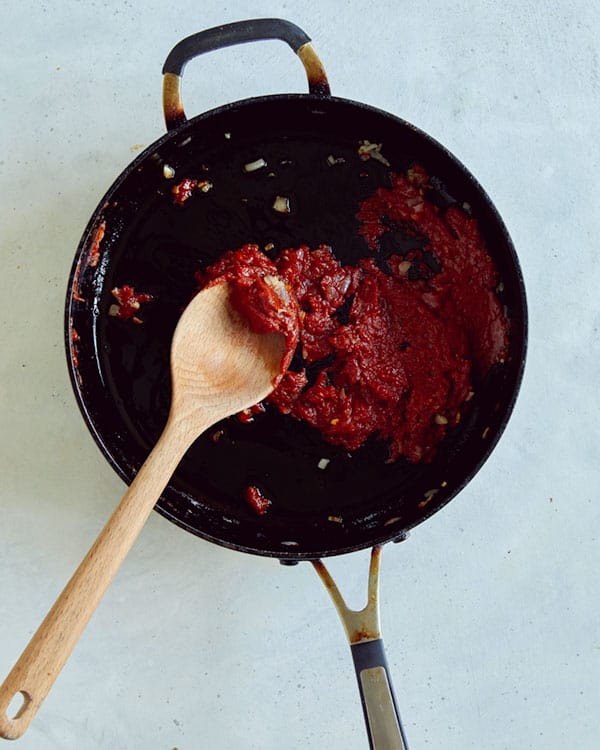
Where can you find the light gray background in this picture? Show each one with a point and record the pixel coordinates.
(490, 610)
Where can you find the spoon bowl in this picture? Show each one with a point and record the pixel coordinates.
(219, 366)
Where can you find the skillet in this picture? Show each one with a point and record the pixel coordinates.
(138, 236)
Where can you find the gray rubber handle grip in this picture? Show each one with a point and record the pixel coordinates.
(382, 717)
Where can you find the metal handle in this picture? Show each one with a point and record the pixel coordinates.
(227, 36)
(363, 631)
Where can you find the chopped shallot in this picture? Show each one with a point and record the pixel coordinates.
(252, 166)
(279, 286)
(281, 205)
(368, 150)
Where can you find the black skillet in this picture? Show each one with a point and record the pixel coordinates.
(120, 369)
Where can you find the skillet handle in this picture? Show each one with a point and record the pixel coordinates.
(228, 35)
(377, 695)
(363, 631)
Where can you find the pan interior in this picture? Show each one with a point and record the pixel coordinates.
(120, 370)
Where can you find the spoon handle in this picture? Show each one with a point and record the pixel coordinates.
(40, 663)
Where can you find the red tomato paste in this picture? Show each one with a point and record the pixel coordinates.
(395, 351)
(454, 273)
(260, 296)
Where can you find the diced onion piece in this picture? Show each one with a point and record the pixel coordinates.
(168, 172)
(368, 150)
(378, 156)
(428, 497)
(279, 287)
(323, 463)
(252, 166)
(281, 205)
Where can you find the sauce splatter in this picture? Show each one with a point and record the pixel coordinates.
(257, 501)
(97, 237)
(129, 303)
(183, 190)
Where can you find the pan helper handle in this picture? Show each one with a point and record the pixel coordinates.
(228, 35)
(374, 682)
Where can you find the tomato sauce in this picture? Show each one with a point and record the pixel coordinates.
(389, 348)
(454, 273)
(260, 296)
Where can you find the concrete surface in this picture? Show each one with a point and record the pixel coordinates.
(490, 610)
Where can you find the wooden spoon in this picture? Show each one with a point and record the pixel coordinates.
(218, 367)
